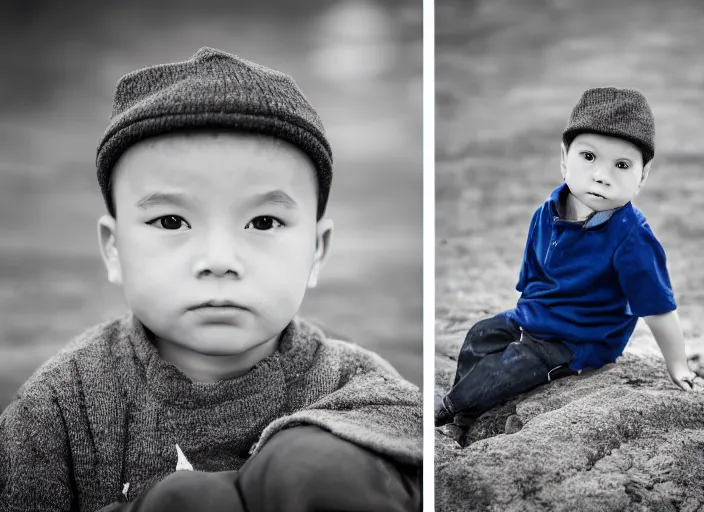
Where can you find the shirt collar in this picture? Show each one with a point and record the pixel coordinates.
(557, 202)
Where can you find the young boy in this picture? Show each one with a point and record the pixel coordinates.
(592, 267)
(216, 173)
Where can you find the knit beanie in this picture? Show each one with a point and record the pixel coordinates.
(622, 113)
(213, 89)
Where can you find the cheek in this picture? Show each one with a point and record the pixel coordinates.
(147, 262)
(287, 264)
(629, 181)
(282, 282)
(574, 168)
(574, 177)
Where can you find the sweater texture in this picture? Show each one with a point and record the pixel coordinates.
(107, 411)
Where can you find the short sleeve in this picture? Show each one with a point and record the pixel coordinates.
(642, 272)
(526, 265)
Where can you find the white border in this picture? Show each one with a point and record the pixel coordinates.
(428, 254)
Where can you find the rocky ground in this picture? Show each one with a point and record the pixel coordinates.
(619, 439)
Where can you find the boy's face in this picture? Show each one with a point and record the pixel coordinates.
(603, 172)
(216, 237)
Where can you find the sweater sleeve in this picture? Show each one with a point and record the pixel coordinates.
(34, 454)
(374, 408)
(642, 272)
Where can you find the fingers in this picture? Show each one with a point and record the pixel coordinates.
(685, 383)
(690, 382)
(697, 383)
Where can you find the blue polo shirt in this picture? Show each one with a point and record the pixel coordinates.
(587, 283)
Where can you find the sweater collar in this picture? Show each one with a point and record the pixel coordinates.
(558, 199)
(165, 382)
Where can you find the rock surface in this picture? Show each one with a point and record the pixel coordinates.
(622, 438)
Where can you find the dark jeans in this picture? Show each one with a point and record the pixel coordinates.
(498, 360)
(300, 469)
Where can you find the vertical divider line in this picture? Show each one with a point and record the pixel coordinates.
(428, 254)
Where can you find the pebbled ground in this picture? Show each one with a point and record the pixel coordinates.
(622, 438)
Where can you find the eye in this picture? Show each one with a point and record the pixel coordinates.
(264, 223)
(169, 222)
(588, 156)
(623, 165)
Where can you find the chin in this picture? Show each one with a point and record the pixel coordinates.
(589, 202)
(612, 205)
(218, 340)
(598, 205)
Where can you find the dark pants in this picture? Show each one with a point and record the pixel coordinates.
(299, 469)
(496, 362)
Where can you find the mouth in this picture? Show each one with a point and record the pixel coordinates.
(594, 194)
(217, 305)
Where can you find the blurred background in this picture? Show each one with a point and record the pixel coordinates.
(359, 62)
(508, 74)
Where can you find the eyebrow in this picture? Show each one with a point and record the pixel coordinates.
(161, 198)
(275, 197)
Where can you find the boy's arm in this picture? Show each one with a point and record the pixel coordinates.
(668, 333)
(642, 270)
(34, 455)
(373, 407)
(527, 252)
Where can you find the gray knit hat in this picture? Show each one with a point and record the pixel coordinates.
(622, 113)
(213, 89)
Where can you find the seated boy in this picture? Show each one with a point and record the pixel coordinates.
(592, 267)
(216, 173)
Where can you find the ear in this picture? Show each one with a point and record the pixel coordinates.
(563, 160)
(108, 248)
(646, 172)
(322, 249)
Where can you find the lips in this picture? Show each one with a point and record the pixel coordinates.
(217, 305)
(594, 194)
(219, 312)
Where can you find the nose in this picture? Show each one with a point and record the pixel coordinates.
(602, 176)
(219, 257)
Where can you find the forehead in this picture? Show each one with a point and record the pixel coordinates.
(213, 164)
(613, 146)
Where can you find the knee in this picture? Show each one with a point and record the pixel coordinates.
(319, 471)
(189, 491)
(309, 460)
(474, 341)
(474, 335)
(175, 488)
(516, 349)
(520, 352)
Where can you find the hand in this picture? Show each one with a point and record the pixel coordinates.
(686, 379)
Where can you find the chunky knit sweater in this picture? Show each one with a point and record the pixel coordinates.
(102, 419)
